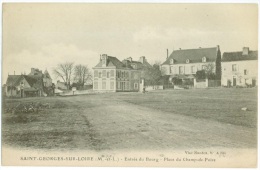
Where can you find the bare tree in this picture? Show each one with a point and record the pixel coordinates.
(82, 74)
(64, 71)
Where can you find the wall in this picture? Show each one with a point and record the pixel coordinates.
(201, 84)
(174, 68)
(241, 79)
(103, 81)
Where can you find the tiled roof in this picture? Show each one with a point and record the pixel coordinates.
(237, 56)
(194, 55)
(33, 81)
(13, 80)
(114, 62)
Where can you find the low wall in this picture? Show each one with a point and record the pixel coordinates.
(156, 87)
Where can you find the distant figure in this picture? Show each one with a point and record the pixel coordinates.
(144, 90)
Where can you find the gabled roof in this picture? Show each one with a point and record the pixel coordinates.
(114, 62)
(237, 56)
(13, 80)
(194, 55)
(33, 81)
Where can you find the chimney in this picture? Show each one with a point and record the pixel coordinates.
(245, 50)
(167, 53)
(14, 72)
(129, 59)
(104, 60)
(142, 59)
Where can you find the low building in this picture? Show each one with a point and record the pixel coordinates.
(61, 85)
(240, 68)
(34, 84)
(110, 74)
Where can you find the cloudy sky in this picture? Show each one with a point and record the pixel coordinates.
(43, 35)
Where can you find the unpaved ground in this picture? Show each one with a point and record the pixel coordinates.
(108, 122)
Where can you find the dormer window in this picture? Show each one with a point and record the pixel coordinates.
(204, 59)
(172, 61)
(187, 61)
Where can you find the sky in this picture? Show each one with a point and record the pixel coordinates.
(44, 35)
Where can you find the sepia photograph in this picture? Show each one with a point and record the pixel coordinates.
(130, 84)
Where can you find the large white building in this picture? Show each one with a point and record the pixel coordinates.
(110, 74)
(186, 62)
(240, 68)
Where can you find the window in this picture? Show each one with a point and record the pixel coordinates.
(122, 74)
(193, 69)
(112, 73)
(111, 85)
(181, 70)
(104, 73)
(118, 85)
(172, 61)
(204, 59)
(171, 70)
(134, 66)
(245, 72)
(99, 74)
(136, 86)
(95, 85)
(234, 67)
(108, 74)
(187, 61)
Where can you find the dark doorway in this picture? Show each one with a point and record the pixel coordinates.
(234, 81)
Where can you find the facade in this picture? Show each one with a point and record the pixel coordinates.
(112, 75)
(184, 64)
(35, 83)
(240, 68)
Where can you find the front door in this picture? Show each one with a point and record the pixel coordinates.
(253, 82)
(234, 81)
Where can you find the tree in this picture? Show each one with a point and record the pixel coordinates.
(218, 66)
(64, 71)
(152, 74)
(201, 74)
(82, 74)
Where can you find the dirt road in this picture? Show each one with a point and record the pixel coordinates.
(115, 124)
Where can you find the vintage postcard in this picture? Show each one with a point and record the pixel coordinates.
(138, 84)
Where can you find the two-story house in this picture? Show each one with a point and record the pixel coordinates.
(240, 68)
(184, 63)
(110, 74)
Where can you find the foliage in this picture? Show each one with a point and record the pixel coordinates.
(64, 71)
(201, 74)
(152, 74)
(218, 66)
(82, 75)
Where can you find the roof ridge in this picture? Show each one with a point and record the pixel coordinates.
(194, 49)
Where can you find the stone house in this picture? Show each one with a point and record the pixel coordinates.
(34, 84)
(184, 63)
(110, 74)
(240, 68)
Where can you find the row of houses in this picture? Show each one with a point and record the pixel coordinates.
(112, 75)
(231, 69)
